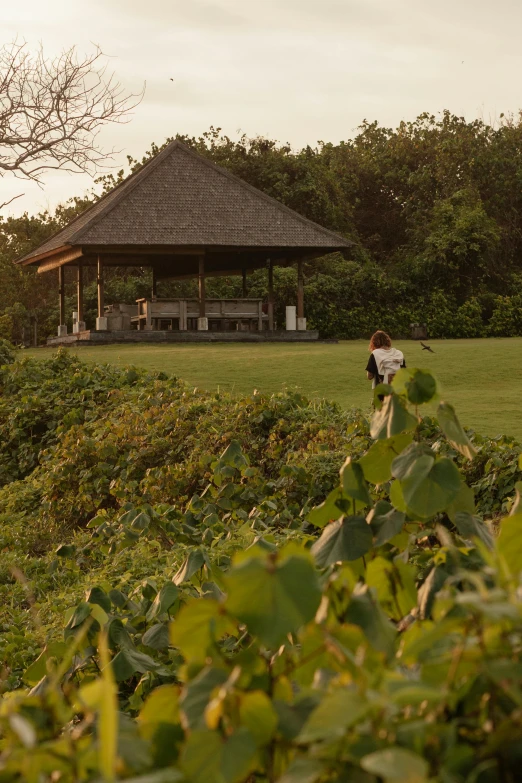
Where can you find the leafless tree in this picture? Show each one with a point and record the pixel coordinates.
(52, 110)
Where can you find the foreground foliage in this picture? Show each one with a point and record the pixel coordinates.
(235, 612)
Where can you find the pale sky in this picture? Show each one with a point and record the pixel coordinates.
(294, 70)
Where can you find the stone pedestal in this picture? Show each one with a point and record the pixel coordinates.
(78, 326)
(202, 324)
(301, 324)
(62, 330)
(101, 324)
(290, 318)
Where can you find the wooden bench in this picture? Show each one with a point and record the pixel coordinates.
(182, 314)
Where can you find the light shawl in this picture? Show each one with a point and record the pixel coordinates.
(388, 361)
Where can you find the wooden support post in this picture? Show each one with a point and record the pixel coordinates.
(202, 320)
(79, 293)
(270, 295)
(300, 290)
(301, 320)
(245, 292)
(154, 284)
(101, 321)
(61, 290)
(99, 281)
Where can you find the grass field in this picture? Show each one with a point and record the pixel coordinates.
(480, 377)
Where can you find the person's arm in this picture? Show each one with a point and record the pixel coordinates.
(371, 368)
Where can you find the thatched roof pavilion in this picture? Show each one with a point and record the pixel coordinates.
(183, 216)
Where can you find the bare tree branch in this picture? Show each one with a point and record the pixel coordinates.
(52, 110)
(6, 203)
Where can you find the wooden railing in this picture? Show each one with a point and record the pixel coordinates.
(182, 314)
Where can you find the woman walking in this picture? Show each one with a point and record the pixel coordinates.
(385, 361)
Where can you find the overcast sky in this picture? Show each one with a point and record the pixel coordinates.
(294, 70)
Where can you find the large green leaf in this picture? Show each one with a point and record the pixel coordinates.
(463, 503)
(197, 694)
(403, 464)
(396, 765)
(347, 539)
(239, 753)
(385, 521)
(292, 717)
(166, 597)
(258, 715)
(192, 564)
(328, 510)
(98, 596)
(421, 388)
(273, 596)
(208, 758)
(377, 461)
(201, 759)
(392, 419)
(156, 637)
(353, 483)
(428, 485)
(161, 706)
(470, 526)
(333, 715)
(54, 651)
(128, 662)
(303, 770)
(509, 543)
(517, 505)
(198, 626)
(364, 611)
(452, 429)
(159, 776)
(427, 593)
(394, 583)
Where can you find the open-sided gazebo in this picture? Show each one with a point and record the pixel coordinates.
(183, 216)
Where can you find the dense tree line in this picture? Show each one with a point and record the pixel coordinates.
(434, 207)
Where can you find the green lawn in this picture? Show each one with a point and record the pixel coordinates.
(480, 377)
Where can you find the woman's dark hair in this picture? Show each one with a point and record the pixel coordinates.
(380, 340)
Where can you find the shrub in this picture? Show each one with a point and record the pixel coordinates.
(7, 353)
(506, 319)
(231, 637)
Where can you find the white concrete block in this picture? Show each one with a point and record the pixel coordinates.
(101, 324)
(301, 324)
(78, 326)
(202, 324)
(62, 330)
(290, 318)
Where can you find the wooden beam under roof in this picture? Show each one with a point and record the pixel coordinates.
(60, 259)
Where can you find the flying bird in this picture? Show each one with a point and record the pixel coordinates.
(171, 79)
(427, 348)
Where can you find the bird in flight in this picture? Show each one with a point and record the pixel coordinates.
(427, 348)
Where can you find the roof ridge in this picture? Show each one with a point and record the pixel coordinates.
(149, 165)
(259, 192)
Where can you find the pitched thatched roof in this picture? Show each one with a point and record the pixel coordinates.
(181, 199)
